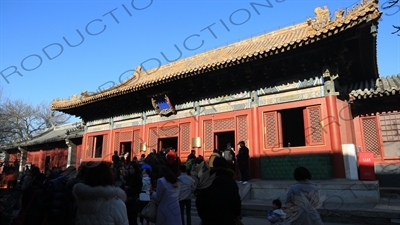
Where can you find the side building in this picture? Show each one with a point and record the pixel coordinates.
(375, 105)
(58, 146)
(283, 93)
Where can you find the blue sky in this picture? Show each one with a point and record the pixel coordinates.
(127, 33)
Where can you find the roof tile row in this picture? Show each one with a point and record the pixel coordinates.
(383, 86)
(266, 44)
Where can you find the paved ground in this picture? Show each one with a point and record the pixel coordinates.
(256, 221)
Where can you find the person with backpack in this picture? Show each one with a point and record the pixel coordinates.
(229, 155)
(199, 167)
(212, 157)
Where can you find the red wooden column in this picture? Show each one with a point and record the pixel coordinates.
(255, 140)
(336, 142)
(198, 133)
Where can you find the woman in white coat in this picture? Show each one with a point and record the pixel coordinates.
(302, 200)
(167, 196)
(98, 200)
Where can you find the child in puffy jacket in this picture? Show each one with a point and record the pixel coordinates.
(277, 216)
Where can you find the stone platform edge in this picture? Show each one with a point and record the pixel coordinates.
(333, 212)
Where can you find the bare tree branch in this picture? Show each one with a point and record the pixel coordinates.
(391, 4)
(21, 120)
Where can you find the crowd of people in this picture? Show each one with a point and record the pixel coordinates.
(117, 192)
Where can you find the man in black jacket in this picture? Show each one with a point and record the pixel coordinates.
(243, 162)
(218, 202)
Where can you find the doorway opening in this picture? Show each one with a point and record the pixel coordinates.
(126, 147)
(98, 151)
(170, 142)
(221, 139)
(293, 134)
(47, 164)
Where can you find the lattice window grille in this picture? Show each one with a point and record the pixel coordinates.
(390, 126)
(153, 138)
(89, 149)
(208, 135)
(242, 128)
(116, 142)
(224, 124)
(316, 127)
(126, 136)
(136, 142)
(371, 135)
(185, 137)
(36, 160)
(168, 131)
(270, 126)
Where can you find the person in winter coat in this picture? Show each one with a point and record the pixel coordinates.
(187, 186)
(173, 162)
(98, 200)
(79, 178)
(167, 197)
(192, 155)
(198, 168)
(144, 196)
(213, 155)
(57, 197)
(33, 198)
(229, 155)
(302, 199)
(243, 162)
(133, 188)
(277, 216)
(218, 200)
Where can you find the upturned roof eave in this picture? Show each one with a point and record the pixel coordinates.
(368, 11)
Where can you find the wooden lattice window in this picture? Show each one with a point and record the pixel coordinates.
(208, 135)
(125, 136)
(390, 126)
(116, 141)
(242, 128)
(153, 136)
(136, 142)
(104, 146)
(89, 147)
(314, 130)
(224, 124)
(168, 131)
(35, 160)
(271, 138)
(371, 138)
(185, 137)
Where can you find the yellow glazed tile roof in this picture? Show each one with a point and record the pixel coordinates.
(272, 43)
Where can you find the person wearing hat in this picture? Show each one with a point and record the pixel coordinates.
(243, 162)
(173, 162)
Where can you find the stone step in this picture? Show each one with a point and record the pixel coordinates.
(194, 209)
(337, 213)
(395, 222)
(336, 190)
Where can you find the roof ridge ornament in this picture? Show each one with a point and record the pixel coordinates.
(322, 18)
